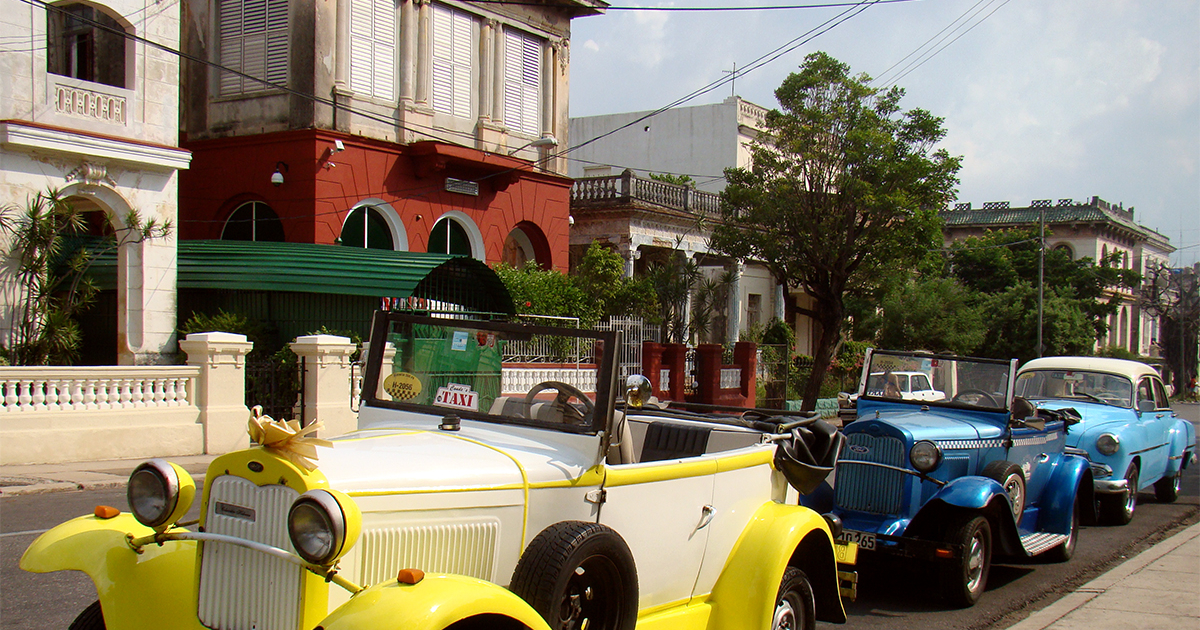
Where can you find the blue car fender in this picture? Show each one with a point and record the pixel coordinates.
(1070, 483)
(972, 493)
(1182, 439)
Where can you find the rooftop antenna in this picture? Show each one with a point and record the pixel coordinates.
(733, 80)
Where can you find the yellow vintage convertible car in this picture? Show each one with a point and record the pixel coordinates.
(495, 481)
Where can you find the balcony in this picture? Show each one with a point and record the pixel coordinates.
(629, 189)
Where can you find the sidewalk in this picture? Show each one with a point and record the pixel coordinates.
(42, 478)
(1158, 589)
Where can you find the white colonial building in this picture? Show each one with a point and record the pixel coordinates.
(642, 219)
(90, 108)
(1093, 229)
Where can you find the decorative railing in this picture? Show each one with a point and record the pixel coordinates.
(628, 188)
(31, 389)
(751, 115)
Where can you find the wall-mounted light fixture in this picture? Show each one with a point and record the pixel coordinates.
(338, 147)
(546, 141)
(570, 220)
(277, 176)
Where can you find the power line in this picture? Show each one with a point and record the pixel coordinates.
(931, 54)
(787, 7)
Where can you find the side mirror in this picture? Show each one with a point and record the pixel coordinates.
(1146, 406)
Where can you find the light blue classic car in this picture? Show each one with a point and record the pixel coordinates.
(1128, 430)
(956, 481)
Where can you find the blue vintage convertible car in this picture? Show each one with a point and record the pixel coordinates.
(957, 481)
(1128, 430)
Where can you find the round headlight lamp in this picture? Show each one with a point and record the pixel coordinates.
(925, 456)
(1108, 443)
(323, 525)
(159, 493)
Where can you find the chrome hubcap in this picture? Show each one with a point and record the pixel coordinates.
(975, 562)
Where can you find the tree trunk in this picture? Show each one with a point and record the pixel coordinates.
(831, 330)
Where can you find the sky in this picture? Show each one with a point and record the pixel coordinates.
(1043, 99)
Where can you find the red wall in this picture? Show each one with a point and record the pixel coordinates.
(321, 187)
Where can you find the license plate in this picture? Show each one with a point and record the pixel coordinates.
(864, 540)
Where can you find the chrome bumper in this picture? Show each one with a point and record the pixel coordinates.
(1111, 486)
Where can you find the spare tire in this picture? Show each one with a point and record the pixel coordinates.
(577, 574)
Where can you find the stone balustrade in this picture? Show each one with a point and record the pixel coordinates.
(35, 389)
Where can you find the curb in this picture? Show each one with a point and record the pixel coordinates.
(1082, 596)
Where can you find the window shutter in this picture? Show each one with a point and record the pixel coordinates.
(254, 40)
(373, 39)
(522, 81)
(452, 61)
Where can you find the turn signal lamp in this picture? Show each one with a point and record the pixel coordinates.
(410, 576)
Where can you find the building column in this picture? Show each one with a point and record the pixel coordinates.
(490, 68)
(146, 302)
(733, 322)
(780, 303)
(424, 52)
(408, 50)
(341, 71)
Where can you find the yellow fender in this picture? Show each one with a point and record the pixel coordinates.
(431, 604)
(777, 535)
(125, 580)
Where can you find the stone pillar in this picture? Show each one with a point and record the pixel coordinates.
(733, 323)
(745, 356)
(490, 67)
(221, 389)
(341, 71)
(408, 50)
(146, 302)
(424, 78)
(781, 303)
(708, 372)
(326, 382)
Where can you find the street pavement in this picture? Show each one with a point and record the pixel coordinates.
(1158, 588)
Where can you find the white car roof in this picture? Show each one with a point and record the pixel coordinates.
(1124, 367)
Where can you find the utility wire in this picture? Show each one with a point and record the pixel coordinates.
(930, 55)
(787, 7)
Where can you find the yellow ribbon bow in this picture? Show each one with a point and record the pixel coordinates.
(286, 438)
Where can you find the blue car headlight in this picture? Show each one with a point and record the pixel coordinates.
(1108, 443)
(925, 456)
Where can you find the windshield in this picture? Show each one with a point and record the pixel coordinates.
(492, 371)
(937, 380)
(1076, 385)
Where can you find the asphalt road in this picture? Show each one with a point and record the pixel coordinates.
(891, 597)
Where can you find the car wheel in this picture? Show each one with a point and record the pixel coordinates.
(795, 606)
(963, 580)
(1166, 490)
(92, 618)
(1117, 509)
(1063, 552)
(579, 575)
(1012, 479)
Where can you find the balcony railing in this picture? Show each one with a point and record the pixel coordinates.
(628, 188)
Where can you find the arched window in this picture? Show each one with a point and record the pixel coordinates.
(366, 227)
(449, 237)
(84, 42)
(1066, 249)
(253, 221)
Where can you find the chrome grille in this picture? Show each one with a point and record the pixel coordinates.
(870, 488)
(464, 548)
(242, 589)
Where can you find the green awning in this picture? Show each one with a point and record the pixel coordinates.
(330, 270)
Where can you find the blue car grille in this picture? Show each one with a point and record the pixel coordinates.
(870, 488)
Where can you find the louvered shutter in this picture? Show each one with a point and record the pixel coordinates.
(452, 61)
(373, 40)
(522, 81)
(254, 40)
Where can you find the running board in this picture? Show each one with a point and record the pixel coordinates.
(1035, 544)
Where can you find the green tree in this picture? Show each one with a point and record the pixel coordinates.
(934, 314)
(999, 261)
(668, 178)
(842, 189)
(601, 275)
(537, 291)
(50, 260)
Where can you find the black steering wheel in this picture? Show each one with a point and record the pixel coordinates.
(979, 393)
(565, 393)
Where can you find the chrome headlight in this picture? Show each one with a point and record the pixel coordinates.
(323, 525)
(925, 456)
(159, 493)
(1108, 443)
(637, 391)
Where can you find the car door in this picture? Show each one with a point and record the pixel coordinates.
(1033, 448)
(1155, 425)
(662, 509)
